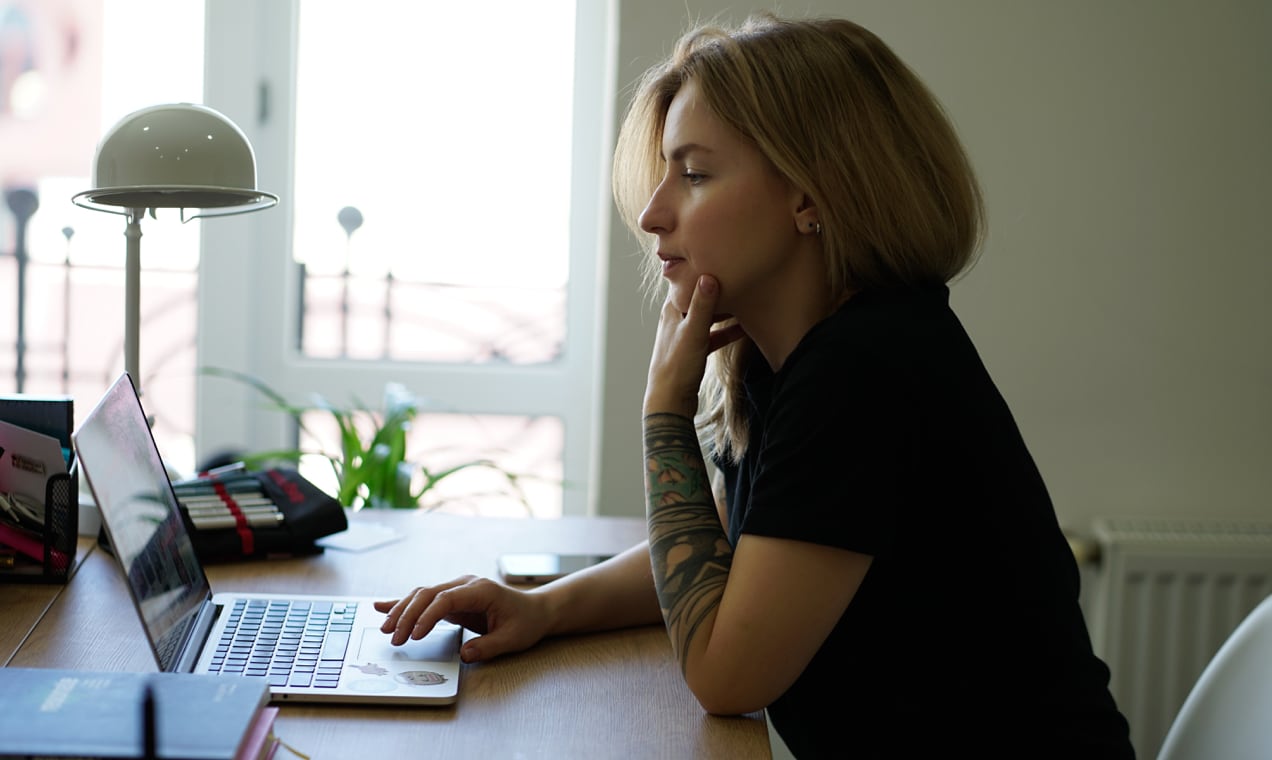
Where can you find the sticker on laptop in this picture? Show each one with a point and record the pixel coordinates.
(421, 678)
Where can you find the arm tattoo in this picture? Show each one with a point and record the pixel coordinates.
(687, 545)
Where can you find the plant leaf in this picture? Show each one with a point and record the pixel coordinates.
(371, 470)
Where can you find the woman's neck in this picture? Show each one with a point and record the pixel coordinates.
(777, 327)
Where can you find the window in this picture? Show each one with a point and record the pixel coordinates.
(437, 226)
(68, 71)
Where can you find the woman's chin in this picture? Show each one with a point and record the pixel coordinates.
(681, 294)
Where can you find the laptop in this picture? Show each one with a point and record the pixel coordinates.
(309, 648)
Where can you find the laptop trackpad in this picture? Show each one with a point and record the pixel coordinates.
(440, 645)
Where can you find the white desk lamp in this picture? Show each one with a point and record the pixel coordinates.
(183, 156)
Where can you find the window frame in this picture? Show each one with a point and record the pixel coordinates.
(248, 289)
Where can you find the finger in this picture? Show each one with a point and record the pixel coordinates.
(402, 618)
(393, 611)
(396, 610)
(400, 613)
(419, 598)
(487, 647)
(445, 604)
(501, 639)
(474, 651)
(702, 303)
(411, 618)
(724, 336)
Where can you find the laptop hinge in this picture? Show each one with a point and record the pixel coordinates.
(199, 632)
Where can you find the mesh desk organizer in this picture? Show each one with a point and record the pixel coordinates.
(39, 531)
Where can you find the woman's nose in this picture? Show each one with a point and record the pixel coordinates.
(655, 218)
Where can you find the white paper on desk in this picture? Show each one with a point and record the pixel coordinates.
(359, 537)
(27, 460)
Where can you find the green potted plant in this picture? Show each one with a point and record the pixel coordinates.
(371, 468)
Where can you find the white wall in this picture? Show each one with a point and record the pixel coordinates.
(1120, 301)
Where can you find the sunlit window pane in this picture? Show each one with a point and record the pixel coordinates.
(447, 148)
(69, 69)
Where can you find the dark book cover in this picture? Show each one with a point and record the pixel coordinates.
(52, 713)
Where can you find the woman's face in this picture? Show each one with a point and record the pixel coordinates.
(721, 209)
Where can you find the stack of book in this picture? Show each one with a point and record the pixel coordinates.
(51, 713)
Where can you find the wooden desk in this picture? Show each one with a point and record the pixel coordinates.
(22, 605)
(615, 694)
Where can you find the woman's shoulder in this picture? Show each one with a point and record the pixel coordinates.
(879, 327)
(890, 310)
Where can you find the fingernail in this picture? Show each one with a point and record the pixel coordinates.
(707, 284)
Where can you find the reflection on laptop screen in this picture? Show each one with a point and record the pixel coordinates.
(119, 458)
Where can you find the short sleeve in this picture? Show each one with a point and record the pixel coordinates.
(831, 463)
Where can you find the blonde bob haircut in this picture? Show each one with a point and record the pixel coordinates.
(840, 116)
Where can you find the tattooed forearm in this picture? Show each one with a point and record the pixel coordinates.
(687, 545)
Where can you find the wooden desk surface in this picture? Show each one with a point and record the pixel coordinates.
(22, 605)
(616, 694)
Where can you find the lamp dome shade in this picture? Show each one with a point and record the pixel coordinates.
(179, 155)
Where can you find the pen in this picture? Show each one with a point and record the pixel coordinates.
(231, 521)
(210, 511)
(213, 486)
(205, 509)
(213, 511)
(225, 469)
(209, 491)
(227, 477)
(220, 505)
(257, 498)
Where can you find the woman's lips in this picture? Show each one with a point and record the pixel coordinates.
(669, 263)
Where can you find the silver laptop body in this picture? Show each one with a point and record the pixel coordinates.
(315, 648)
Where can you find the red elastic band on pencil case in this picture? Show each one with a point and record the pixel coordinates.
(247, 538)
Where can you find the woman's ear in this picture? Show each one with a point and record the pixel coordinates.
(807, 220)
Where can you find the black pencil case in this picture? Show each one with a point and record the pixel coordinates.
(307, 514)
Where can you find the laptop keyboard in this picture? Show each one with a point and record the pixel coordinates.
(291, 643)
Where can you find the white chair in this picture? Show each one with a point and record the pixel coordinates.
(1228, 713)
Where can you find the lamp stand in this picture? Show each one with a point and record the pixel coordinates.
(132, 296)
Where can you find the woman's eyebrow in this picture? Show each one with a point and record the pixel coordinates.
(682, 151)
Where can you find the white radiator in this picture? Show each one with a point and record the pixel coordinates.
(1167, 593)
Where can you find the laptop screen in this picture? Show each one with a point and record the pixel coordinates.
(121, 462)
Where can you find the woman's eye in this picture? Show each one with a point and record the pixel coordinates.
(693, 177)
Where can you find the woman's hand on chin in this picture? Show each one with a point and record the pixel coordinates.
(683, 341)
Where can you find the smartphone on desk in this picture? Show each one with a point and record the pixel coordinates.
(537, 568)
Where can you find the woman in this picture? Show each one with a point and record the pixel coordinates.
(879, 563)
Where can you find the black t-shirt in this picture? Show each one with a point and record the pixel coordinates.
(884, 434)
